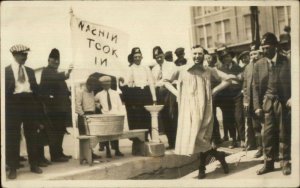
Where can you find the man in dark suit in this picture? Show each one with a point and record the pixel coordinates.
(271, 98)
(253, 130)
(55, 94)
(21, 107)
(232, 98)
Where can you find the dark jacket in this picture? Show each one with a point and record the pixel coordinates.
(10, 81)
(261, 76)
(247, 85)
(54, 91)
(233, 90)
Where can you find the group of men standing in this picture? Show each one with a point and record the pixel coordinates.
(42, 110)
(256, 95)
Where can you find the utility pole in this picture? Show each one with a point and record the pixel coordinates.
(255, 24)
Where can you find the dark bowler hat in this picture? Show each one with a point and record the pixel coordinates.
(135, 50)
(179, 51)
(54, 54)
(284, 38)
(169, 56)
(223, 51)
(157, 51)
(269, 39)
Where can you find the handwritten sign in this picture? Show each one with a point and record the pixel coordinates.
(97, 47)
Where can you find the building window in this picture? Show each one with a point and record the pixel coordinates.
(281, 20)
(219, 33)
(227, 31)
(201, 35)
(248, 33)
(198, 11)
(209, 38)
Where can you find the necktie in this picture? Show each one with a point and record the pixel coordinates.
(21, 75)
(160, 73)
(108, 101)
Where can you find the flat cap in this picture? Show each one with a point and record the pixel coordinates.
(104, 79)
(19, 48)
(269, 39)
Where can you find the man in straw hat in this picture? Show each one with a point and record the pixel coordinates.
(232, 97)
(109, 102)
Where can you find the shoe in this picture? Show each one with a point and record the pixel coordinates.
(22, 159)
(118, 153)
(60, 159)
(94, 156)
(286, 169)
(221, 158)
(67, 156)
(233, 145)
(225, 138)
(268, 167)
(201, 174)
(259, 153)
(36, 169)
(42, 164)
(170, 147)
(12, 174)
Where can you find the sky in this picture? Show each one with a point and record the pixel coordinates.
(45, 25)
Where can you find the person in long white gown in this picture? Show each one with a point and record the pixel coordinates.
(195, 121)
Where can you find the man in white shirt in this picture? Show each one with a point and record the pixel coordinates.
(109, 102)
(22, 107)
(164, 72)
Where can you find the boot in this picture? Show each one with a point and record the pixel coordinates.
(268, 167)
(220, 156)
(259, 153)
(202, 168)
(286, 167)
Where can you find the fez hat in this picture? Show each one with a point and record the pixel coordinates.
(104, 79)
(269, 39)
(54, 54)
(157, 51)
(284, 38)
(223, 51)
(169, 56)
(179, 51)
(135, 50)
(19, 48)
(243, 54)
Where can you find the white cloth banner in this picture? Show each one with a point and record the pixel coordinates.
(97, 48)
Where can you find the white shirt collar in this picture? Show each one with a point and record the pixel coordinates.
(16, 65)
